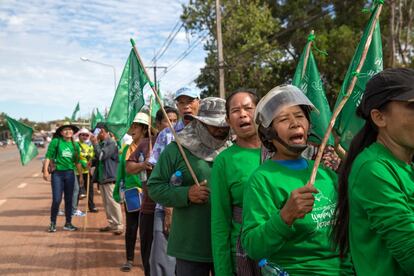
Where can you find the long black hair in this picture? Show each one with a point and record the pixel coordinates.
(365, 137)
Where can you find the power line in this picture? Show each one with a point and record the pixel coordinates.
(168, 41)
(185, 54)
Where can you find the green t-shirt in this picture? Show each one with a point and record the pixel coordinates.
(190, 233)
(303, 248)
(130, 180)
(381, 226)
(65, 155)
(231, 170)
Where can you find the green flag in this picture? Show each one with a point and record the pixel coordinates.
(22, 135)
(99, 116)
(96, 118)
(129, 97)
(311, 85)
(93, 120)
(73, 118)
(348, 124)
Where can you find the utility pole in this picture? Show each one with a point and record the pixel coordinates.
(220, 51)
(155, 67)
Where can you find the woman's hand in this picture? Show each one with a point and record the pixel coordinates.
(46, 175)
(299, 204)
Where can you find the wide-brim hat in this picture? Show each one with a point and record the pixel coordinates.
(65, 125)
(212, 112)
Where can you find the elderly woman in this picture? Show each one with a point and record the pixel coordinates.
(376, 187)
(284, 220)
(63, 152)
(231, 170)
(138, 131)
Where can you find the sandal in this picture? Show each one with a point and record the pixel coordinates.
(127, 266)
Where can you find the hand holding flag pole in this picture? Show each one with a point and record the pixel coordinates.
(180, 148)
(346, 97)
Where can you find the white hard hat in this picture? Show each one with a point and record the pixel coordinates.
(280, 96)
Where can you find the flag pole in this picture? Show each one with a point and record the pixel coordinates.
(180, 147)
(85, 222)
(150, 126)
(305, 62)
(345, 98)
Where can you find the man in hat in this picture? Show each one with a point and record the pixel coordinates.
(203, 139)
(106, 154)
(188, 101)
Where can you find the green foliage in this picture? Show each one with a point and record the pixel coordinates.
(262, 40)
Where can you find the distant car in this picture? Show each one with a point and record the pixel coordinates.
(39, 142)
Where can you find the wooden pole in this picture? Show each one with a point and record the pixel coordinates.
(150, 127)
(85, 222)
(220, 51)
(305, 62)
(344, 100)
(180, 147)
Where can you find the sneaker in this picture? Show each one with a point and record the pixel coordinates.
(106, 229)
(78, 213)
(61, 213)
(117, 232)
(70, 227)
(94, 210)
(82, 196)
(127, 266)
(52, 227)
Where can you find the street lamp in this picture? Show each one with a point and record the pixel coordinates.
(101, 63)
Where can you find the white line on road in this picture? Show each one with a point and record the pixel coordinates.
(22, 185)
(2, 201)
(35, 175)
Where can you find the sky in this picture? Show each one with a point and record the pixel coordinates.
(42, 76)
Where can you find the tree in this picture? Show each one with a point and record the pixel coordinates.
(262, 40)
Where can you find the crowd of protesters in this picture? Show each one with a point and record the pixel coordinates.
(224, 189)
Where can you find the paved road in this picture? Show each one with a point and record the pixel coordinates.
(26, 247)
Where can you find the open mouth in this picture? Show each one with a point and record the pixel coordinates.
(245, 125)
(297, 139)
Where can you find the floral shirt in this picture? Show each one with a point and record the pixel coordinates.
(164, 138)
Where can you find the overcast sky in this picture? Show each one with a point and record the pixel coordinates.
(41, 42)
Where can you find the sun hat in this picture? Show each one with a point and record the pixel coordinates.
(212, 112)
(141, 118)
(66, 125)
(83, 131)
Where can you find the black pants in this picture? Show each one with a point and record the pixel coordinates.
(146, 227)
(131, 231)
(189, 268)
(82, 190)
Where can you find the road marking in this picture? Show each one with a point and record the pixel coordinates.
(2, 201)
(35, 175)
(22, 185)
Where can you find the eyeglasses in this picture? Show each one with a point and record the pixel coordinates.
(84, 134)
